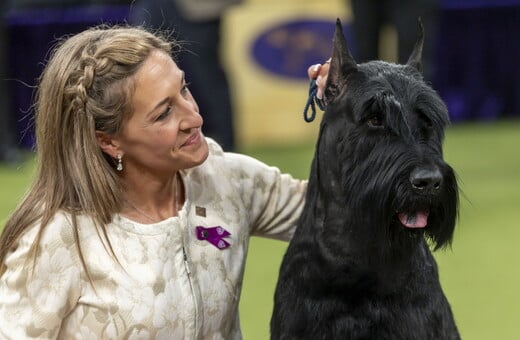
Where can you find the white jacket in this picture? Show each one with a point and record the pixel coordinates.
(169, 284)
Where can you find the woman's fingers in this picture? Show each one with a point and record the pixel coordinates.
(321, 78)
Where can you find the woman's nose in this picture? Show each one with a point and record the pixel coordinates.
(191, 117)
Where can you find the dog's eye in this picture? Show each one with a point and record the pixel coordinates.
(427, 122)
(375, 121)
(425, 126)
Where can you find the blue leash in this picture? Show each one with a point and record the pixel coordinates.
(312, 101)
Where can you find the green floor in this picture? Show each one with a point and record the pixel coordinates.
(480, 275)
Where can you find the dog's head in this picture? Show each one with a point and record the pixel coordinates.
(379, 154)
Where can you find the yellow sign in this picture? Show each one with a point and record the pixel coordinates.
(267, 48)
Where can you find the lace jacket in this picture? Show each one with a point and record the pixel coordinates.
(172, 280)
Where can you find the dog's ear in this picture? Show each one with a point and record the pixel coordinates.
(416, 56)
(341, 64)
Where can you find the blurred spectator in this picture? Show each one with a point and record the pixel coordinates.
(371, 15)
(9, 151)
(198, 24)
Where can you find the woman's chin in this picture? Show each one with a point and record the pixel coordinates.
(199, 154)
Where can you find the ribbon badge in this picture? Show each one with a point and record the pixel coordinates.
(214, 235)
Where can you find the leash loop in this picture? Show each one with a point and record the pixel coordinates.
(312, 101)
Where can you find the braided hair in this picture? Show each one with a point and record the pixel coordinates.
(85, 87)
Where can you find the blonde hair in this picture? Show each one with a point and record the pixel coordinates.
(85, 87)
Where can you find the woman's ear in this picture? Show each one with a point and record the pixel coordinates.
(108, 144)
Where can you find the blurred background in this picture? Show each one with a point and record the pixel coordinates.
(247, 61)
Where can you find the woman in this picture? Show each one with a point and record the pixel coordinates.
(135, 225)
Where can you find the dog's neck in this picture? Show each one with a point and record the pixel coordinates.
(343, 242)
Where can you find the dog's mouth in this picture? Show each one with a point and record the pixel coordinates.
(414, 220)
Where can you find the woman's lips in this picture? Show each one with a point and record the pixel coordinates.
(193, 139)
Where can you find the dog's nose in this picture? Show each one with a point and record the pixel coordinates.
(426, 179)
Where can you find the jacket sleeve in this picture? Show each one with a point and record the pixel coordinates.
(273, 200)
(277, 214)
(33, 303)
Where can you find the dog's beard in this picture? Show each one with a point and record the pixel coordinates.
(383, 209)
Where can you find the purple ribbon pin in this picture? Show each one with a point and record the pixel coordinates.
(213, 235)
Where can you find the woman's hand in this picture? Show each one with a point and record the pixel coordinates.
(320, 73)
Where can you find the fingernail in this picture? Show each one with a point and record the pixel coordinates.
(316, 67)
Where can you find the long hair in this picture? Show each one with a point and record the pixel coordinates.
(85, 87)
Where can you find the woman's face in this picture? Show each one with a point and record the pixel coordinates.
(164, 130)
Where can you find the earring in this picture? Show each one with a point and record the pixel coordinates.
(119, 162)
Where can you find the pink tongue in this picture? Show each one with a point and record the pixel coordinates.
(414, 220)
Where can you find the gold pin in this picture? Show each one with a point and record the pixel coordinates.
(200, 211)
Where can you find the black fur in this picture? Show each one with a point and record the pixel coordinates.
(353, 270)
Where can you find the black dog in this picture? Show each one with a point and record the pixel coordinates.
(359, 265)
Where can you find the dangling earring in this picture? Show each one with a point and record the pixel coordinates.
(119, 162)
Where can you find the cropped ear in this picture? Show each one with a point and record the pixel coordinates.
(108, 144)
(341, 65)
(416, 56)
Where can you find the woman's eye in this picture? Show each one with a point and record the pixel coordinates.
(185, 89)
(375, 121)
(165, 113)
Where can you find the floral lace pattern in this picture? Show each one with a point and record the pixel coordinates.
(153, 292)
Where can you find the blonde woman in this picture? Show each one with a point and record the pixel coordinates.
(136, 225)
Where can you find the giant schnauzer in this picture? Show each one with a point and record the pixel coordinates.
(380, 196)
